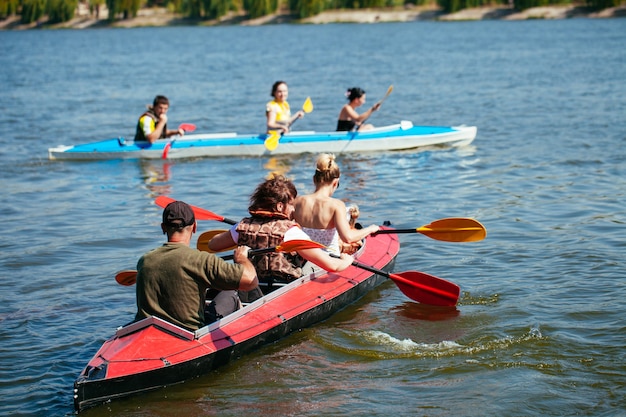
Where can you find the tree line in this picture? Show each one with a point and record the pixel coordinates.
(59, 11)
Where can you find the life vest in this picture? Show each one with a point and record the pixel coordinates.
(265, 231)
(283, 111)
(139, 133)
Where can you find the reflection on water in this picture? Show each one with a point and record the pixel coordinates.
(417, 311)
(539, 325)
(277, 166)
(156, 175)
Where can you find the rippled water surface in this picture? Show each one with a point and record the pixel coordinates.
(539, 329)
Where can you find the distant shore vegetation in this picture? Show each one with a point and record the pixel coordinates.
(59, 11)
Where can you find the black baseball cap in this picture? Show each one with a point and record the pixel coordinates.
(178, 214)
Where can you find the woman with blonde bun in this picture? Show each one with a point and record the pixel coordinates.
(325, 218)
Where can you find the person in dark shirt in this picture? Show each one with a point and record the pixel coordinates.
(172, 280)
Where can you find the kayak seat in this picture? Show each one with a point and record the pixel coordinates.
(268, 287)
(248, 297)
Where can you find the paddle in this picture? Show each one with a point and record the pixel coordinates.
(419, 286)
(204, 239)
(271, 142)
(129, 277)
(200, 213)
(454, 229)
(289, 246)
(187, 127)
(126, 278)
(307, 107)
(389, 90)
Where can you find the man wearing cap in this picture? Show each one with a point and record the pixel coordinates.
(172, 280)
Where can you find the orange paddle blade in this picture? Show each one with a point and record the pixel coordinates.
(454, 230)
(457, 229)
(204, 239)
(126, 278)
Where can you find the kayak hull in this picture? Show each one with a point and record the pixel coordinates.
(397, 137)
(153, 353)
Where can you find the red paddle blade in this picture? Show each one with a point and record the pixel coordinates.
(187, 127)
(166, 150)
(298, 244)
(200, 213)
(126, 278)
(427, 289)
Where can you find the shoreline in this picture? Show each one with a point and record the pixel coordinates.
(156, 17)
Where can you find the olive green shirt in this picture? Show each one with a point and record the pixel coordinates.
(172, 281)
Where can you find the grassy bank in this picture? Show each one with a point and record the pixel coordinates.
(162, 17)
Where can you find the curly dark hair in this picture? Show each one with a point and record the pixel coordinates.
(278, 189)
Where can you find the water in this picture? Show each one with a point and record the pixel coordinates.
(539, 329)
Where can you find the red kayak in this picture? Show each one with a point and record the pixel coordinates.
(153, 353)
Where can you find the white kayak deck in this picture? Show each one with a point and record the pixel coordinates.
(396, 137)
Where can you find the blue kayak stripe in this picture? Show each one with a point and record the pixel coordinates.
(114, 145)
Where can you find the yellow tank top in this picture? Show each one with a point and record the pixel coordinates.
(282, 110)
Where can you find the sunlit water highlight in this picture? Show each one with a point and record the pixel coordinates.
(539, 328)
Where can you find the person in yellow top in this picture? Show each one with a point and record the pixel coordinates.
(278, 111)
(152, 125)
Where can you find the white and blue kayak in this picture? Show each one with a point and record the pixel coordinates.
(402, 136)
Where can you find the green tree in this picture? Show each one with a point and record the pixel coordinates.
(60, 10)
(258, 8)
(32, 10)
(95, 6)
(603, 4)
(114, 7)
(452, 6)
(130, 8)
(127, 8)
(306, 8)
(214, 9)
(8, 8)
(191, 8)
(449, 6)
(527, 4)
(373, 3)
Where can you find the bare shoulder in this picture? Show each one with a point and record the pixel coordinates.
(339, 207)
(345, 112)
(301, 201)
